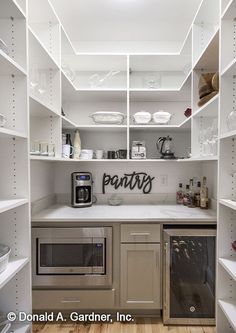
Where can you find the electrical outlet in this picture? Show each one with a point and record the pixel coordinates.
(164, 180)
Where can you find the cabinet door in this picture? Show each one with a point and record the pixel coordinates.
(140, 276)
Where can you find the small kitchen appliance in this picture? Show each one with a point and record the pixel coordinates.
(165, 148)
(82, 189)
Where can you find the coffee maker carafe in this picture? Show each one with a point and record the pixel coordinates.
(165, 148)
(82, 189)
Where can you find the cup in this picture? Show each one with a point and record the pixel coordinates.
(43, 148)
(35, 147)
(67, 152)
(86, 154)
(121, 154)
(99, 154)
(111, 154)
(51, 149)
(3, 120)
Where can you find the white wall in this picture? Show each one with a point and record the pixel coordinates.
(176, 172)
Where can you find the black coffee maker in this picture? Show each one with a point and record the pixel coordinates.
(81, 189)
(165, 148)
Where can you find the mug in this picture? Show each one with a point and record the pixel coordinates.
(99, 154)
(66, 151)
(111, 154)
(86, 154)
(3, 120)
(121, 154)
(44, 148)
(35, 148)
(51, 149)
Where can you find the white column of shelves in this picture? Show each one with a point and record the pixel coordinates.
(226, 256)
(204, 116)
(15, 281)
(44, 75)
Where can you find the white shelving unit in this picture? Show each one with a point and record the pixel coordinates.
(226, 268)
(15, 281)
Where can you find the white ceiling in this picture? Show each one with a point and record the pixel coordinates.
(90, 22)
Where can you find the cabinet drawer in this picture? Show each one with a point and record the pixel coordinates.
(140, 233)
(73, 299)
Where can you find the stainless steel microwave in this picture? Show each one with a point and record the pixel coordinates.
(66, 257)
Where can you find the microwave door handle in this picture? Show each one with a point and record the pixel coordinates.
(70, 301)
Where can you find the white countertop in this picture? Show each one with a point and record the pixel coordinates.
(121, 213)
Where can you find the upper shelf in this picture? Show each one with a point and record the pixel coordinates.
(8, 66)
(40, 109)
(210, 109)
(209, 57)
(229, 11)
(39, 54)
(10, 8)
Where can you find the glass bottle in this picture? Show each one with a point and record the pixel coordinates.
(180, 194)
(77, 145)
(68, 142)
(204, 194)
(197, 195)
(191, 203)
(186, 196)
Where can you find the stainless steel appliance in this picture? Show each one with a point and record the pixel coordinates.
(165, 148)
(82, 189)
(189, 276)
(72, 257)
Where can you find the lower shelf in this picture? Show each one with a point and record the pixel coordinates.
(228, 203)
(20, 328)
(14, 266)
(229, 265)
(229, 309)
(6, 205)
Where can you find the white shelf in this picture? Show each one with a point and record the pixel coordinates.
(67, 123)
(203, 158)
(39, 54)
(14, 266)
(156, 160)
(208, 58)
(229, 12)
(107, 128)
(10, 8)
(228, 203)
(170, 128)
(210, 109)
(4, 132)
(230, 69)
(8, 66)
(229, 309)
(96, 95)
(20, 328)
(40, 109)
(228, 135)
(6, 205)
(229, 265)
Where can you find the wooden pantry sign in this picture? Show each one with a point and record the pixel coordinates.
(134, 180)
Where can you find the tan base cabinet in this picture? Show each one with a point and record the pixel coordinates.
(140, 276)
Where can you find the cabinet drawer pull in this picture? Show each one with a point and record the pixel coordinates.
(139, 233)
(70, 301)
